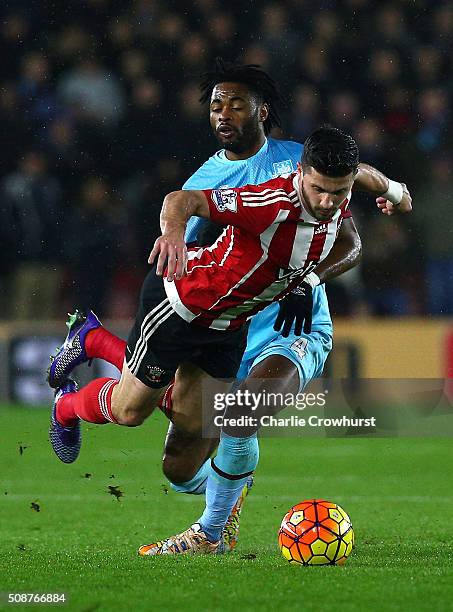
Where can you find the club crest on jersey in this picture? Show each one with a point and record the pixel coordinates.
(154, 373)
(225, 199)
(283, 167)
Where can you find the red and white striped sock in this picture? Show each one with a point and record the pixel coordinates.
(103, 344)
(92, 403)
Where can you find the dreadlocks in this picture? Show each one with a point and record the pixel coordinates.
(251, 75)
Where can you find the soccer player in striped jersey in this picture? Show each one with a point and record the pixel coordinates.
(243, 109)
(322, 188)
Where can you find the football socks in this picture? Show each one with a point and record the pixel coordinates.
(235, 460)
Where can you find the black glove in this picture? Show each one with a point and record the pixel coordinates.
(297, 306)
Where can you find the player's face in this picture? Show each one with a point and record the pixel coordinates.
(322, 194)
(236, 117)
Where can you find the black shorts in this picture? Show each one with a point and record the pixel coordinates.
(160, 340)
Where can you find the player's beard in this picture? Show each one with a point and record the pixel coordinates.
(242, 140)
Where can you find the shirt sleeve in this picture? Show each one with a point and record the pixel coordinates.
(194, 225)
(253, 207)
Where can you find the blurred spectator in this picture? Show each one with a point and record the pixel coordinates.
(193, 53)
(314, 67)
(37, 97)
(31, 237)
(14, 130)
(390, 26)
(14, 32)
(93, 239)
(327, 28)
(385, 266)
(396, 113)
(121, 33)
(73, 41)
(257, 54)
(194, 119)
(434, 223)
(428, 66)
(442, 27)
(162, 47)
(305, 112)
(434, 114)
(370, 138)
(142, 129)
(134, 65)
(222, 35)
(93, 93)
(344, 110)
(278, 37)
(145, 14)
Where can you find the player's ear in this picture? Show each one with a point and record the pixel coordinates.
(264, 112)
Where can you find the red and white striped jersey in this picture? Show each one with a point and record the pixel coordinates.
(271, 241)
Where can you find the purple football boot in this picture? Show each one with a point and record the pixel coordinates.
(66, 441)
(72, 352)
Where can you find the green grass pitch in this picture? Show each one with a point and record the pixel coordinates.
(83, 540)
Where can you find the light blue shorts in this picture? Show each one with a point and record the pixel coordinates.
(308, 352)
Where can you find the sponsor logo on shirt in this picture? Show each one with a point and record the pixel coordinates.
(283, 167)
(225, 199)
(322, 229)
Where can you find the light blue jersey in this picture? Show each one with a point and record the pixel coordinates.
(309, 352)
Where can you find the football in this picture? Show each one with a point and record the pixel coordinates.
(316, 532)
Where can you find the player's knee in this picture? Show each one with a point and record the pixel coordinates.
(131, 417)
(177, 470)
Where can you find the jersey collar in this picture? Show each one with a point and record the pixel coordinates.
(305, 215)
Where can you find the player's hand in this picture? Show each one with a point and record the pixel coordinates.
(387, 208)
(296, 306)
(174, 251)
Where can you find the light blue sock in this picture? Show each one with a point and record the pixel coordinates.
(235, 457)
(197, 485)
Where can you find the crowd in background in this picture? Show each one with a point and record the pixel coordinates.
(100, 117)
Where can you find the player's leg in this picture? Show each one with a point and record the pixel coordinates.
(285, 365)
(186, 451)
(153, 354)
(186, 460)
(183, 405)
(238, 453)
(104, 400)
(86, 339)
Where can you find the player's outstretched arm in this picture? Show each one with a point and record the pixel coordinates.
(177, 208)
(297, 306)
(344, 255)
(392, 195)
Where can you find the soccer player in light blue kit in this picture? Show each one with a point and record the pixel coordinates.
(250, 156)
(243, 103)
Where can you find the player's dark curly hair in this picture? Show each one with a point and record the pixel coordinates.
(258, 81)
(331, 152)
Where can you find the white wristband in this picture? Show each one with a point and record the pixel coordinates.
(312, 279)
(394, 193)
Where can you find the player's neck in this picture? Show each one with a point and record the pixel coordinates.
(248, 153)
